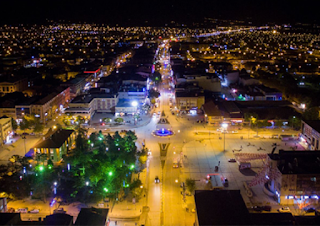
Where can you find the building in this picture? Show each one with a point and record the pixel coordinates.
(295, 176)
(210, 82)
(212, 114)
(93, 216)
(49, 106)
(126, 107)
(44, 107)
(310, 134)
(220, 207)
(76, 86)
(86, 105)
(269, 93)
(12, 84)
(6, 130)
(55, 144)
(134, 92)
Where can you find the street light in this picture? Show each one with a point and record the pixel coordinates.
(134, 103)
(224, 126)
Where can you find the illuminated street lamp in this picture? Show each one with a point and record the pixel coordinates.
(134, 103)
(224, 126)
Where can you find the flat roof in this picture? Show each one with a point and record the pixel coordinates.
(298, 162)
(92, 216)
(221, 207)
(54, 139)
(314, 124)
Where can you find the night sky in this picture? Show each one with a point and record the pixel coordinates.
(136, 12)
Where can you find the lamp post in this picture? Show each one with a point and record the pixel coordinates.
(225, 126)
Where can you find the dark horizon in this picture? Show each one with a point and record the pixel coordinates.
(129, 13)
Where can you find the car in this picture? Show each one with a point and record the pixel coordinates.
(34, 211)
(59, 210)
(22, 210)
(232, 160)
(266, 208)
(154, 115)
(284, 210)
(310, 210)
(257, 208)
(156, 180)
(11, 210)
(24, 134)
(159, 112)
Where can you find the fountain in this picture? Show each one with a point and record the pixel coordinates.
(163, 127)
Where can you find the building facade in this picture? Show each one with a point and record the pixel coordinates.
(5, 130)
(55, 145)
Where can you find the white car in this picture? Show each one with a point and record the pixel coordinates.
(22, 210)
(34, 211)
(284, 210)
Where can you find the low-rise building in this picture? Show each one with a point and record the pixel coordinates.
(294, 177)
(310, 134)
(12, 84)
(5, 129)
(212, 114)
(126, 107)
(86, 105)
(76, 86)
(186, 100)
(55, 144)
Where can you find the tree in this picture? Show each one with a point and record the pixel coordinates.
(119, 120)
(38, 127)
(191, 185)
(106, 120)
(93, 137)
(153, 93)
(14, 124)
(311, 114)
(156, 78)
(24, 124)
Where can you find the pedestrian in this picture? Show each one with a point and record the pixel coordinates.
(219, 163)
(116, 222)
(285, 144)
(241, 146)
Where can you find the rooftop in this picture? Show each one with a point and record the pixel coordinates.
(54, 139)
(211, 109)
(92, 216)
(221, 207)
(298, 162)
(315, 124)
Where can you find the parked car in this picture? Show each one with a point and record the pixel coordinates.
(256, 208)
(24, 134)
(266, 208)
(310, 210)
(11, 210)
(34, 211)
(59, 210)
(232, 160)
(22, 210)
(156, 180)
(284, 210)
